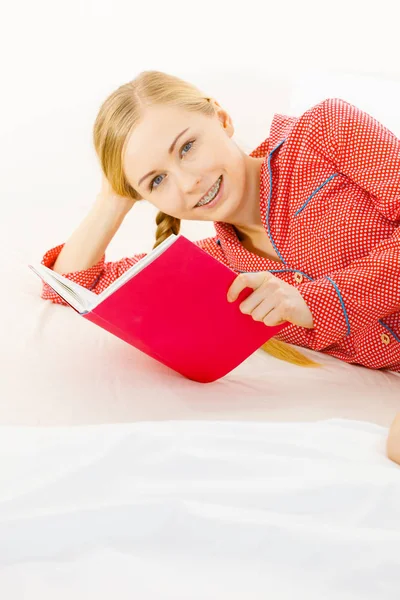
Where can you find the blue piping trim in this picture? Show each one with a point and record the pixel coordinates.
(389, 330)
(279, 271)
(290, 271)
(314, 192)
(341, 302)
(269, 201)
(95, 281)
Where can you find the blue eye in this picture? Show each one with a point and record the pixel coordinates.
(155, 179)
(151, 186)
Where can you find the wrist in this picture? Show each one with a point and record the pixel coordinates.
(114, 205)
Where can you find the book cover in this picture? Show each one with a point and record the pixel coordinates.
(175, 310)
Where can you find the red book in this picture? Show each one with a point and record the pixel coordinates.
(173, 306)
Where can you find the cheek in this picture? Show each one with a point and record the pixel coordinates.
(170, 206)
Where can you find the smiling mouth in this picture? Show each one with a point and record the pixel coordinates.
(211, 194)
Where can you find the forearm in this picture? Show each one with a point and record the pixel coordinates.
(355, 297)
(393, 441)
(85, 247)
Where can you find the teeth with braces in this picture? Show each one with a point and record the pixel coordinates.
(211, 195)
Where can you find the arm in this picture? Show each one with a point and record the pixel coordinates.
(368, 289)
(361, 148)
(99, 226)
(100, 275)
(96, 278)
(393, 441)
(84, 262)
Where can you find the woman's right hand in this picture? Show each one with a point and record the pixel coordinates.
(88, 243)
(108, 195)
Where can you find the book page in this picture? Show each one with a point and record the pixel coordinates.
(76, 295)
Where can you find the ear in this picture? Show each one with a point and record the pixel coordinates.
(224, 117)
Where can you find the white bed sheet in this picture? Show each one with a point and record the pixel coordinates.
(58, 369)
(199, 510)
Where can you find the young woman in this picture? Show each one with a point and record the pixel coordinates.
(310, 220)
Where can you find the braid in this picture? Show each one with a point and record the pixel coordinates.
(287, 353)
(166, 225)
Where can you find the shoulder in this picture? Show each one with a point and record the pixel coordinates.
(284, 126)
(320, 122)
(322, 114)
(329, 112)
(281, 127)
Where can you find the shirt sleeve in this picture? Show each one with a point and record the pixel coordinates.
(368, 289)
(98, 277)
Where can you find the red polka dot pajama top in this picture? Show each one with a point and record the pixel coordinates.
(330, 205)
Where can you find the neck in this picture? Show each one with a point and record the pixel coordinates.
(247, 220)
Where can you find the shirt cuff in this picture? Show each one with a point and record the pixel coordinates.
(331, 322)
(86, 278)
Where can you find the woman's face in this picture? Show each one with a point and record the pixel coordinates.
(182, 173)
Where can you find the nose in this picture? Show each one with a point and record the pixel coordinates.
(190, 183)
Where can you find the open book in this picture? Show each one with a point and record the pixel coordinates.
(172, 305)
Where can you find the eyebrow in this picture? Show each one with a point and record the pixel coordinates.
(170, 151)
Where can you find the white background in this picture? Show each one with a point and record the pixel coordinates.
(61, 59)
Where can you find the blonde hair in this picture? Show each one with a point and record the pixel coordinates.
(118, 116)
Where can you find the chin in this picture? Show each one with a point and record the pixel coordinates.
(226, 212)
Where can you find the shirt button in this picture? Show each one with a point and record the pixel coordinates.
(298, 277)
(385, 339)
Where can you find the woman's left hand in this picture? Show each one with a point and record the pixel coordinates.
(273, 301)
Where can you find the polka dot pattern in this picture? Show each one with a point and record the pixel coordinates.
(330, 205)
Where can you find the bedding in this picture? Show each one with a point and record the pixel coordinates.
(196, 509)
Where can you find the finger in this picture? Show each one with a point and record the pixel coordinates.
(263, 309)
(257, 301)
(242, 281)
(273, 318)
